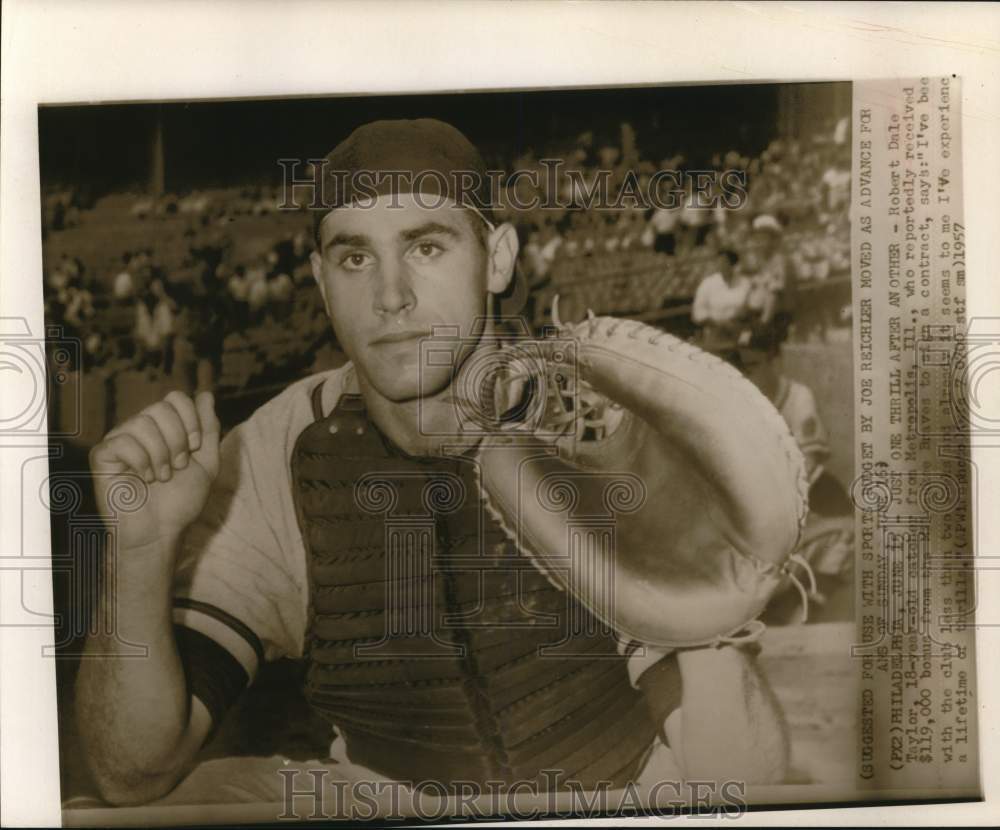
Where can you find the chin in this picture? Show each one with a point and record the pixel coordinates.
(408, 383)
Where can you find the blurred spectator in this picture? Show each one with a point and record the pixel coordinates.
(123, 287)
(695, 220)
(142, 208)
(766, 269)
(209, 247)
(540, 252)
(61, 208)
(118, 324)
(95, 350)
(256, 288)
(535, 266)
(237, 285)
(154, 328)
(721, 301)
(141, 268)
(664, 224)
(79, 307)
(837, 181)
(167, 205)
(279, 295)
(842, 130)
(195, 203)
(206, 328)
(797, 405)
(300, 247)
(810, 260)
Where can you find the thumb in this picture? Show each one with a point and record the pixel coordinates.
(207, 455)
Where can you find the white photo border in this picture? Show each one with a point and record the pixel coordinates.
(61, 52)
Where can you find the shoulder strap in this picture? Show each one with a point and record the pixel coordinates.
(350, 401)
(317, 400)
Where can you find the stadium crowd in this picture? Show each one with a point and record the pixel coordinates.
(182, 299)
(212, 274)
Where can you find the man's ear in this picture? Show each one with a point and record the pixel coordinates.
(502, 248)
(316, 261)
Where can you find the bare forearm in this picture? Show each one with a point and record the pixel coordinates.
(732, 726)
(133, 708)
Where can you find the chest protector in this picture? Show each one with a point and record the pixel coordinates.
(434, 647)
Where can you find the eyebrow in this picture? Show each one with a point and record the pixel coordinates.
(357, 240)
(427, 229)
(360, 240)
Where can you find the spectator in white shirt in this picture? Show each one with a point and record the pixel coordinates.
(154, 328)
(720, 303)
(124, 284)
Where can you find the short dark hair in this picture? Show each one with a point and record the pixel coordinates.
(479, 228)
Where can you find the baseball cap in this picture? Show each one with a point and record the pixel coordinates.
(422, 155)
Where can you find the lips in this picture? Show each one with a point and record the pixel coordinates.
(400, 337)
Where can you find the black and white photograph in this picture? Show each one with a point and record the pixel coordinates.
(530, 452)
(524, 473)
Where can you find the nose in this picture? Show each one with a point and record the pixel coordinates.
(393, 291)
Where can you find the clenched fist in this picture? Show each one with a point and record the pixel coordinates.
(174, 446)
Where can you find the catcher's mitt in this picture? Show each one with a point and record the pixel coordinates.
(658, 484)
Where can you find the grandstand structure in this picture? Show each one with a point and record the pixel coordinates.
(658, 288)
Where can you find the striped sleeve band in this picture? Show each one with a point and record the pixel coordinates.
(223, 629)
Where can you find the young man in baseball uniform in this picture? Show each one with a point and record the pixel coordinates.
(301, 535)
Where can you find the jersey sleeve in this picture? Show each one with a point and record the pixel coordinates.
(241, 577)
